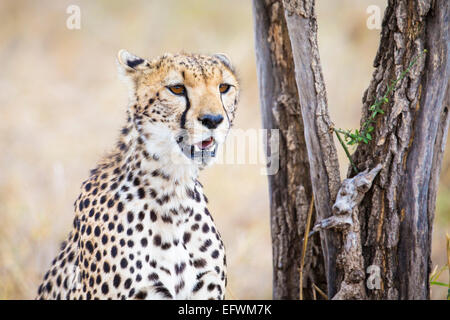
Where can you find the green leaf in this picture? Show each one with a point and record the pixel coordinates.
(355, 137)
(436, 283)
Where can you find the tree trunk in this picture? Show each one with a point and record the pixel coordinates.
(290, 188)
(302, 27)
(397, 213)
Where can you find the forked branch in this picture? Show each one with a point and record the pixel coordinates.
(345, 218)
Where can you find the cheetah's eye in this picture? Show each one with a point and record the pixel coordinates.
(223, 88)
(178, 89)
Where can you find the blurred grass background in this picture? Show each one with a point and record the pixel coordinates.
(61, 107)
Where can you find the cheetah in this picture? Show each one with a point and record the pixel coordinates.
(142, 229)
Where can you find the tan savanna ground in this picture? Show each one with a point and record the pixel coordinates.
(61, 106)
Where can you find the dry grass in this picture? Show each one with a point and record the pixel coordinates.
(61, 107)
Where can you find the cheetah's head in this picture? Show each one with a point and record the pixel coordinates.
(187, 101)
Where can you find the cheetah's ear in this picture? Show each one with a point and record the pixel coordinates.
(225, 59)
(130, 64)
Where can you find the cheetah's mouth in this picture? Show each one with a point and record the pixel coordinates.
(203, 150)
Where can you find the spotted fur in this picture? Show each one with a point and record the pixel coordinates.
(142, 229)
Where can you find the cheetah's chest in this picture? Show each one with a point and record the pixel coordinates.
(165, 241)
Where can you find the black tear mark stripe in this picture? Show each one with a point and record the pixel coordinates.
(223, 106)
(183, 115)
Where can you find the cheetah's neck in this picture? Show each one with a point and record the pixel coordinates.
(148, 153)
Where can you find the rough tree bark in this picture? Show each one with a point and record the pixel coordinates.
(346, 219)
(397, 213)
(325, 177)
(290, 188)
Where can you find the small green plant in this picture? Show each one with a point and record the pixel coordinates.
(365, 133)
(434, 276)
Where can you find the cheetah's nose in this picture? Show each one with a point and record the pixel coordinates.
(211, 121)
